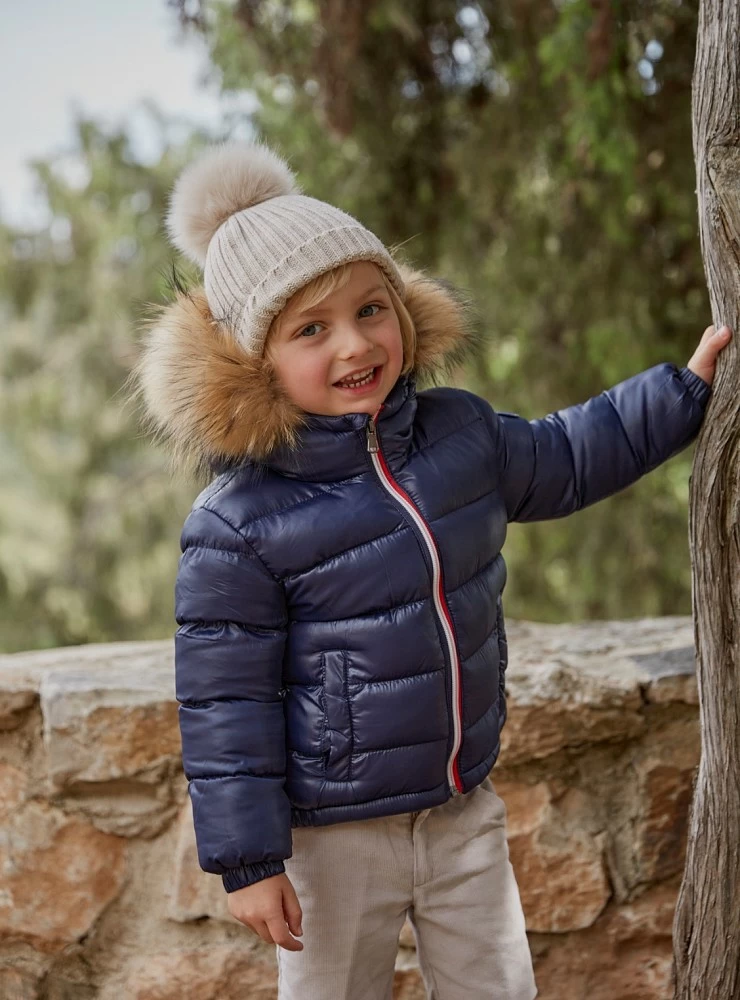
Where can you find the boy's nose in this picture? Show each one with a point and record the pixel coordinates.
(354, 341)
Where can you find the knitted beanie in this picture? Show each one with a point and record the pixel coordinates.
(237, 211)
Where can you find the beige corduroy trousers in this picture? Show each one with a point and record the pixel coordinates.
(446, 867)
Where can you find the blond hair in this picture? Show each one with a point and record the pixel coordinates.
(319, 288)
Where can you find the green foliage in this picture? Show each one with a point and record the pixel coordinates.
(525, 152)
(528, 156)
(88, 521)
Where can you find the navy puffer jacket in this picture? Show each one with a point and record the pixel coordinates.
(341, 650)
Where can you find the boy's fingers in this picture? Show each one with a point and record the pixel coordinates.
(292, 910)
(281, 935)
(712, 342)
(294, 922)
(719, 333)
(260, 929)
(717, 342)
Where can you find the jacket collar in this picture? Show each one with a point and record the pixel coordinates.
(332, 448)
(218, 407)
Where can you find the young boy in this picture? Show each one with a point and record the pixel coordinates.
(341, 650)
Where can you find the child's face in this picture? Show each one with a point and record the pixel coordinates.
(353, 329)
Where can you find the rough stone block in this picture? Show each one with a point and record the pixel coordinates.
(559, 865)
(19, 689)
(569, 686)
(195, 893)
(627, 953)
(104, 726)
(57, 875)
(214, 973)
(665, 777)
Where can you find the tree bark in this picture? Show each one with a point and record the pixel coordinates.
(706, 930)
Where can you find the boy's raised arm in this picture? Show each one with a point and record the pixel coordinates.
(574, 457)
(228, 669)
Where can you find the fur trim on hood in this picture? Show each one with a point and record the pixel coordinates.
(211, 402)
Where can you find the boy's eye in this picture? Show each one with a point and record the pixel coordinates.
(313, 328)
(370, 305)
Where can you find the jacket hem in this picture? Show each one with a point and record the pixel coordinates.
(391, 805)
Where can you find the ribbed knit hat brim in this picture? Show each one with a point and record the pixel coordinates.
(258, 254)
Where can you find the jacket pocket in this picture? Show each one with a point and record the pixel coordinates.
(338, 714)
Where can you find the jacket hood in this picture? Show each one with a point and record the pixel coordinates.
(214, 405)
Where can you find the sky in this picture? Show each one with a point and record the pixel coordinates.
(98, 58)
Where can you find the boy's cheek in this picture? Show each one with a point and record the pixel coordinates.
(394, 350)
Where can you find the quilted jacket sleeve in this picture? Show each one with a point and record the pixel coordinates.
(228, 673)
(570, 459)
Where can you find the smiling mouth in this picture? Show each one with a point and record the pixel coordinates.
(368, 379)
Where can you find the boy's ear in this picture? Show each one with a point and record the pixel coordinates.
(443, 320)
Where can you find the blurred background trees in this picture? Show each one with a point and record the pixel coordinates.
(537, 154)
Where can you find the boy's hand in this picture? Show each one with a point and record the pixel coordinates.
(704, 358)
(271, 909)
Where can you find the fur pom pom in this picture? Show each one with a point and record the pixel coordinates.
(223, 180)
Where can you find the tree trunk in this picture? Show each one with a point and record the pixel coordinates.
(706, 930)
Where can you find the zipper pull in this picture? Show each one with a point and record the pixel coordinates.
(372, 436)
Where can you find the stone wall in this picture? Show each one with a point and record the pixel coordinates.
(101, 895)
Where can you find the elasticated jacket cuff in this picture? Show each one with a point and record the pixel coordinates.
(238, 878)
(699, 389)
